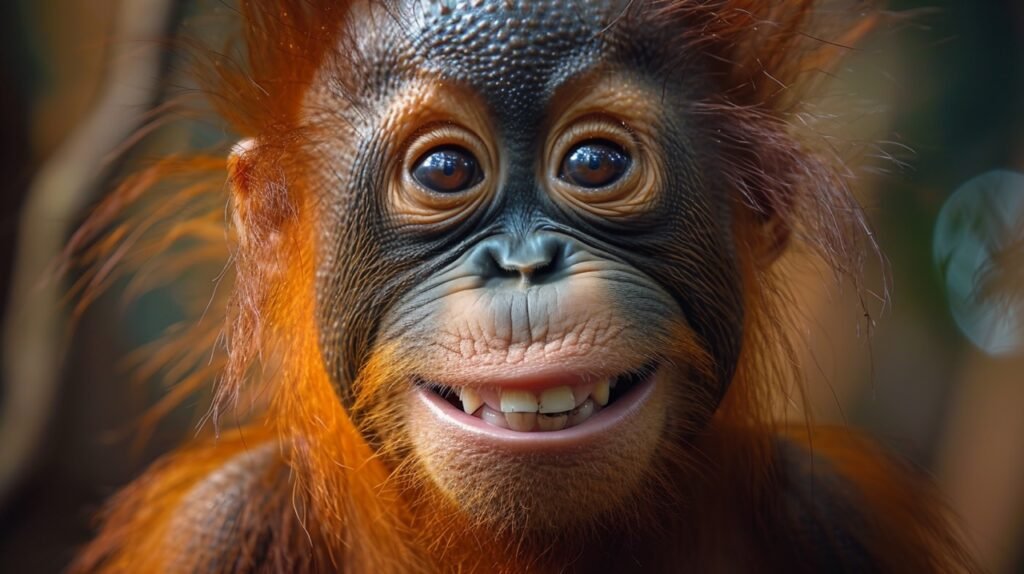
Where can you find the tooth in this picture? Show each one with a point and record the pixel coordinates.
(522, 422)
(471, 400)
(518, 402)
(582, 413)
(581, 393)
(489, 395)
(552, 422)
(557, 400)
(601, 392)
(493, 417)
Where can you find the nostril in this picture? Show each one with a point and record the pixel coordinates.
(498, 261)
(506, 271)
(544, 269)
(531, 260)
(538, 259)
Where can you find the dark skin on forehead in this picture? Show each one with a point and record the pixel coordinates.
(516, 59)
(515, 54)
(511, 72)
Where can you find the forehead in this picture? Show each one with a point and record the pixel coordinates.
(514, 53)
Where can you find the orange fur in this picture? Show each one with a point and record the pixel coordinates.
(137, 534)
(356, 512)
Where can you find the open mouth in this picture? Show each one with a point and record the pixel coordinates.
(551, 406)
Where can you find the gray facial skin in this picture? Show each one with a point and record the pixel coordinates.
(383, 281)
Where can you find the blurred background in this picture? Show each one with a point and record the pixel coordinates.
(927, 357)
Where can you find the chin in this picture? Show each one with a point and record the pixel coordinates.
(544, 450)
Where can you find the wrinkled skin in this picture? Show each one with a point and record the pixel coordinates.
(538, 235)
(526, 275)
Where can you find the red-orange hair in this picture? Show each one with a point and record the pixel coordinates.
(766, 54)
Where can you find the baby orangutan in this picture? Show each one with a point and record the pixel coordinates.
(504, 272)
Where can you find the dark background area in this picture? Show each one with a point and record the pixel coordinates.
(944, 90)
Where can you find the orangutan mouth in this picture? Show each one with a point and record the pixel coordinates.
(541, 405)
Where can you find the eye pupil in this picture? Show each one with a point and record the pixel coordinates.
(594, 164)
(448, 169)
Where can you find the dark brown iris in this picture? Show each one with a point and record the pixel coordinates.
(594, 164)
(447, 169)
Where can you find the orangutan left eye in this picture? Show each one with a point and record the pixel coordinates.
(594, 164)
(448, 169)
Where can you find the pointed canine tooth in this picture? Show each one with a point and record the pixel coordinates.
(581, 393)
(489, 395)
(557, 400)
(582, 413)
(493, 417)
(601, 392)
(522, 422)
(471, 400)
(514, 401)
(552, 422)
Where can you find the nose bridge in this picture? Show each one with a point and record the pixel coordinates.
(524, 250)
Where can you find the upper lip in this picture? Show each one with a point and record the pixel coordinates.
(525, 377)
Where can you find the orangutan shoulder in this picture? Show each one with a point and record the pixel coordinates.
(847, 505)
(823, 512)
(223, 505)
(226, 519)
(855, 508)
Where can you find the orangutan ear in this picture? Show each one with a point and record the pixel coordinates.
(772, 239)
(239, 180)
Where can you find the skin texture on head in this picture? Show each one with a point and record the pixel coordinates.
(504, 278)
(525, 278)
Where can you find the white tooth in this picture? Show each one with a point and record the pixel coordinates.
(489, 395)
(582, 393)
(552, 422)
(471, 400)
(518, 402)
(582, 413)
(557, 400)
(601, 392)
(522, 422)
(493, 417)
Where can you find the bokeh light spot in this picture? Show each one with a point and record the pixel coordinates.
(979, 249)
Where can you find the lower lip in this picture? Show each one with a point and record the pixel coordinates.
(607, 420)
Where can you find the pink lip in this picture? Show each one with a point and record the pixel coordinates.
(619, 413)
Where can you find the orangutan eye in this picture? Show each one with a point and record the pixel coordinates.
(447, 169)
(594, 164)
